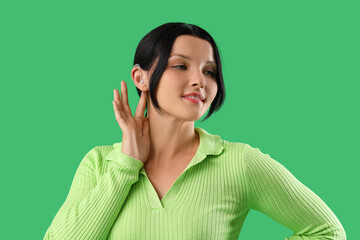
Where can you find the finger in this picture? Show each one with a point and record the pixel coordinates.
(118, 109)
(141, 105)
(117, 99)
(120, 104)
(124, 99)
(119, 118)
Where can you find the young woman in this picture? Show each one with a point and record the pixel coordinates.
(169, 180)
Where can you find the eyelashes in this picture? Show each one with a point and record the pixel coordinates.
(183, 67)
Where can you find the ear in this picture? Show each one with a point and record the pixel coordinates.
(136, 72)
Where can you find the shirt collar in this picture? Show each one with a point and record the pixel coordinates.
(209, 145)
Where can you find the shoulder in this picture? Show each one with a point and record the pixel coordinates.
(249, 154)
(233, 146)
(255, 154)
(240, 146)
(104, 150)
(99, 152)
(233, 152)
(233, 149)
(96, 157)
(261, 166)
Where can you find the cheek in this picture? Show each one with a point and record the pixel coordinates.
(213, 90)
(170, 87)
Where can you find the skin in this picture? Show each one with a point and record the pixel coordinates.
(172, 135)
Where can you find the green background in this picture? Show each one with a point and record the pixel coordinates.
(291, 71)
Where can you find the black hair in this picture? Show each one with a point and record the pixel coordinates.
(156, 46)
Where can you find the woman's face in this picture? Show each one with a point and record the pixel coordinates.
(194, 71)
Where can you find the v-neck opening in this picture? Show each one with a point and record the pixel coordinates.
(209, 145)
(170, 196)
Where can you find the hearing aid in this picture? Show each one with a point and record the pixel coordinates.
(137, 65)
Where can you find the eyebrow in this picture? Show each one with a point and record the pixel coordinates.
(187, 57)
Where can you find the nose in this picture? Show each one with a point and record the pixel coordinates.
(198, 79)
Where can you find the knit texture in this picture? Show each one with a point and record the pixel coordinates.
(111, 197)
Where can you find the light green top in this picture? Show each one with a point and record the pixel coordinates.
(111, 197)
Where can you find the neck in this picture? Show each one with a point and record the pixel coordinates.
(171, 138)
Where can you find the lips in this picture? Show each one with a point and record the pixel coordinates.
(194, 94)
(194, 100)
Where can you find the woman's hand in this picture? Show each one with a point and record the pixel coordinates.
(136, 130)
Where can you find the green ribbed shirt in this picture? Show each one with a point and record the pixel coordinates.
(111, 197)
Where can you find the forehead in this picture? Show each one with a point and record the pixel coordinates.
(192, 46)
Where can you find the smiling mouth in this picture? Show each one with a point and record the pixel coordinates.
(194, 100)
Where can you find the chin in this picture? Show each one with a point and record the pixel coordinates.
(193, 118)
(186, 117)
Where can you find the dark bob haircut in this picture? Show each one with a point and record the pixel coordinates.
(156, 46)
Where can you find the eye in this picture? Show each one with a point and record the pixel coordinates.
(212, 74)
(180, 66)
